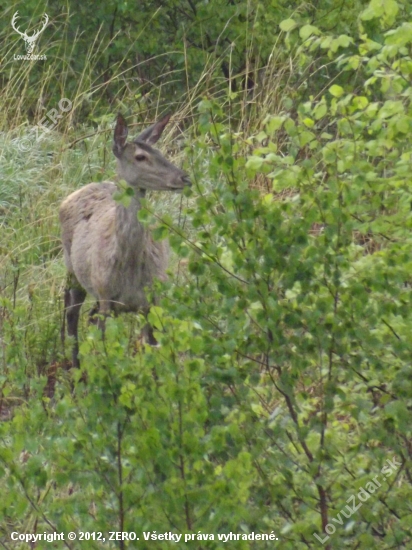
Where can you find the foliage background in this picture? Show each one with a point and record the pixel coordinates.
(283, 383)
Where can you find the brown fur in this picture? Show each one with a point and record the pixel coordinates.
(108, 253)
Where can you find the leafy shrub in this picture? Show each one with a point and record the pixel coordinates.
(280, 396)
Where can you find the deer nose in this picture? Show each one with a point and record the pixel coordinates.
(186, 180)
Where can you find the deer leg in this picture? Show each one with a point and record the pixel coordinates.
(147, 330)
(74, 298)
(93, 312)
(104, 311)
(148, 335)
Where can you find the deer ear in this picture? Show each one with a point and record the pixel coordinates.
(120, 136)
(153, 133)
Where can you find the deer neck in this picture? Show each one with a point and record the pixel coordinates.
(129, 230)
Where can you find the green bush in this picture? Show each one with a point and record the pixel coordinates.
(279, 400)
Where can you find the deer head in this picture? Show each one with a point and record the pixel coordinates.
(29, 40)
(143, 166)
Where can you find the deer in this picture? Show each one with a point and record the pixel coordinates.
(108, 252)
(30, 41)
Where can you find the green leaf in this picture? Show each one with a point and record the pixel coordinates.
(287, 25)
(255, 163)
(376, 8)
(345, 40)
(336, 91)
(161, 232)
(124, 196)
(385, 9)
(360, 102)
(320, 110)
(400, 36)
(308, 122)
(403, 125)
(308, 30)
(143, 215)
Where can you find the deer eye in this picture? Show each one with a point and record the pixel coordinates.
(140, 157)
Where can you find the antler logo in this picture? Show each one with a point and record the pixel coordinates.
(29, 40)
